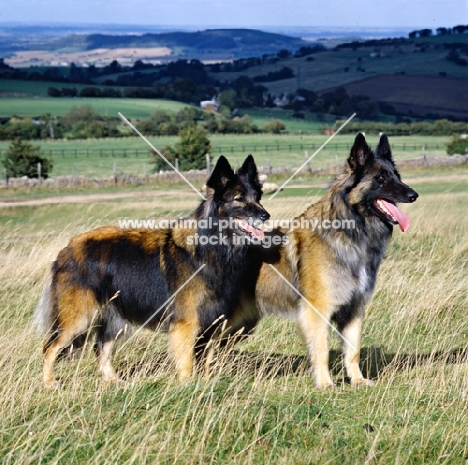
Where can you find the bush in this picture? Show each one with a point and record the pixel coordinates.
(190, 150)
(458, 145)
(53, 92)
(22, 158)
(275, 126)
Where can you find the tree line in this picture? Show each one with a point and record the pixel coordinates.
(442, 127)
(440, 31)
(83, 122)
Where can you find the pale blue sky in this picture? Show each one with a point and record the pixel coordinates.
(242, 13)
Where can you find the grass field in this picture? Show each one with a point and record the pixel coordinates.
(411, 92)
(35, 88)
(131, 108)
(36, 103)
(96, 158)
(339, 67)
(260, 405)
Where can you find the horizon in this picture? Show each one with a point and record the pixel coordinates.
(354, 14)
(55, 28)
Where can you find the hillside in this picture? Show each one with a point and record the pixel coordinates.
(416, 95)
(213, 44)
(417, 77)
(423, 76)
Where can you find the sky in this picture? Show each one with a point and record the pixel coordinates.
(242, 13)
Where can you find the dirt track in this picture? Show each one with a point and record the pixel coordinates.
(86, 198)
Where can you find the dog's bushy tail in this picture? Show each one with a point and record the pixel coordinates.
(43, 319)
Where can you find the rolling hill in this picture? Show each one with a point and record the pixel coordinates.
(418, 76)
(416, 95)
(212, 44)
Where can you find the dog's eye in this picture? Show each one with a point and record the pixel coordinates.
(382, 179)
(239, 198)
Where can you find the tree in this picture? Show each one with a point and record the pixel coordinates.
(283, 53)
(78, 113)
(275, 126)
(22, 158)
(190, 150)
(227, 98)
(458, 145)
(53, 92)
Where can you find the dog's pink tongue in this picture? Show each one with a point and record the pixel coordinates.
(403, 220)
(246, 226)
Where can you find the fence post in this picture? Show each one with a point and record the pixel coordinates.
(208, 164)
(39, 171)
(308, 163)
(6, 176)
(146, 173)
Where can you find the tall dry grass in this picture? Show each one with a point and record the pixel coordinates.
(259, 405)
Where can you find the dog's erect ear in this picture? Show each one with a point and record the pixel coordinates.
(383, 149)
(221, 175)
(360, 152)
(249, 169)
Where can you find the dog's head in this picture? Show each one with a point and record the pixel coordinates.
(377, 185)
(233, 199)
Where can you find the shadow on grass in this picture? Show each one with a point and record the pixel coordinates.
(374, 363)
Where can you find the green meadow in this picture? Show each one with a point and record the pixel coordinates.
(259, 405)
(131, 155)
(131, 108)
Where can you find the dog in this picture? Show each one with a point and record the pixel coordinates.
(186, 280)
(327, 274)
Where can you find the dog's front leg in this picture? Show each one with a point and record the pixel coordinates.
(351, 335)
(182, 338)
(313, 328)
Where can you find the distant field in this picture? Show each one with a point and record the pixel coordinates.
(347, 67)
(36, 88)
(131, 155)
(97, 56)
(416, 93)
(336, 68)
(131, 108)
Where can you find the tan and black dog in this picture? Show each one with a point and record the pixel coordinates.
(331, 268)
(109, 278)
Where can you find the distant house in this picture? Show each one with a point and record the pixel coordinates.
(282, 101)
(209, 105)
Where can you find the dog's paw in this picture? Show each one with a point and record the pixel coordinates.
(52, 385)
(325, 386)
(362, 382)
(113, 380)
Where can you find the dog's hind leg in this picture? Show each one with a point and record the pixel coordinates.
(103, 352)
(110, 328)
(75, 313)
(351, 335)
